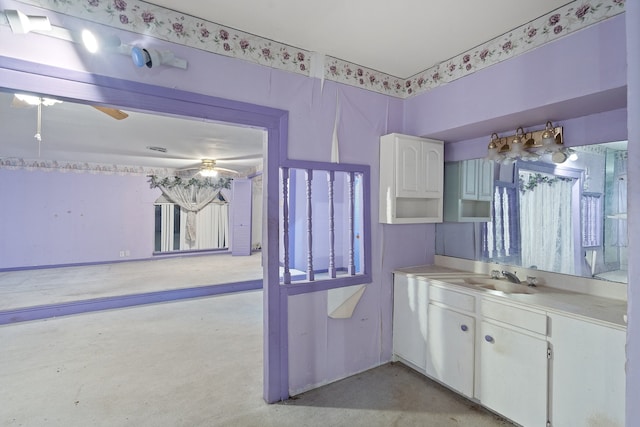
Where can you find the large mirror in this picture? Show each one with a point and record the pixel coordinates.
(566, 218)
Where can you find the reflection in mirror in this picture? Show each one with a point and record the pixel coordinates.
(566, 218)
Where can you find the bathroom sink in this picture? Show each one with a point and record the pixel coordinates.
(499, 285)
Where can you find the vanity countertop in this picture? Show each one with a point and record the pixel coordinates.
(595, 308)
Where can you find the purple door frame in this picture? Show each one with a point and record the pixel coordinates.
(88, 88)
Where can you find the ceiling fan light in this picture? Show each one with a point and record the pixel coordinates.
(209, 173)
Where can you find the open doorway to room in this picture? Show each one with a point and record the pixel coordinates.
(111, 203)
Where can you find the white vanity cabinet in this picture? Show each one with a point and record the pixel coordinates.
(468, 190)
(588, 378)
(513, 362)
(410, 302)
(530, 362)
(411, 179)
(451, 339)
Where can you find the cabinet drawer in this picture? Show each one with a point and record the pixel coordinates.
(525, 319)
(452, 298)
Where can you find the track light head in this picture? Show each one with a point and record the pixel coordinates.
(22, 24)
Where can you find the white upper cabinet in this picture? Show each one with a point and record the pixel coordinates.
(411, 179)
(468, 190)
(477, 180)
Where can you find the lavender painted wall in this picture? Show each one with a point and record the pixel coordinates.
(633, 204)
(51, 218)
(578, 75)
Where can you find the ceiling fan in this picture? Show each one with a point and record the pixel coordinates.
(207, 168)
(22, 100)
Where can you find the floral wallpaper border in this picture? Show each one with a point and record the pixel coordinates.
(565, 20)
(80, 167)
(144, 18)
(14, 163)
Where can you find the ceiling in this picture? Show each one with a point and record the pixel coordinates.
(400, 38)
(79, 133)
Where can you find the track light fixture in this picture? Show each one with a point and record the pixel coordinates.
(22, 24)
(142, 56)
(151, 58)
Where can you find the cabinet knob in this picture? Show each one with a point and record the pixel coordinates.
(488, 338)
(464, 328)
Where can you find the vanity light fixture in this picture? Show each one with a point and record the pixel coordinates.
(529, 145)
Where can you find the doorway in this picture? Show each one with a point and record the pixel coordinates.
(18, 75)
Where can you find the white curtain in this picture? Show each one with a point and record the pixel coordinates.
(192, 199)
(546, 224)
(213, 226)
(166, 230)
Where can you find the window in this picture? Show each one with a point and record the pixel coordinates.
(211, 223)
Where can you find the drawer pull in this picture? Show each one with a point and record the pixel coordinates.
(464, 328)
(488, 338)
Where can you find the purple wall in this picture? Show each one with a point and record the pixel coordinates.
(633, 197)
(51, 218)
(578, 75)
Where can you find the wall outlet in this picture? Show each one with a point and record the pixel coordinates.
(127, 253)
(121, 254)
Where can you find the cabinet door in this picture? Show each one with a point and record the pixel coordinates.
(485, 180)
(450, 348)
(513, 374)
(469, 180)
(432, 174)
(410, 319)
(588, 378)
(419, 168)
(408, 167)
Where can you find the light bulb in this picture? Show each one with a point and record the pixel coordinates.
(89, 41)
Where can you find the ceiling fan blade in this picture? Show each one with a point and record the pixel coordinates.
(240, 158)
(113, 112)
(218, 168)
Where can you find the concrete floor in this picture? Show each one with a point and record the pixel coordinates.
(28, 288)
(193, 363)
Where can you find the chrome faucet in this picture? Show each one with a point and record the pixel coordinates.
(511, 277)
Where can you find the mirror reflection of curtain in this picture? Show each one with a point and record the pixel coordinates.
(546, 224)
(500, 237)
(620, 198)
